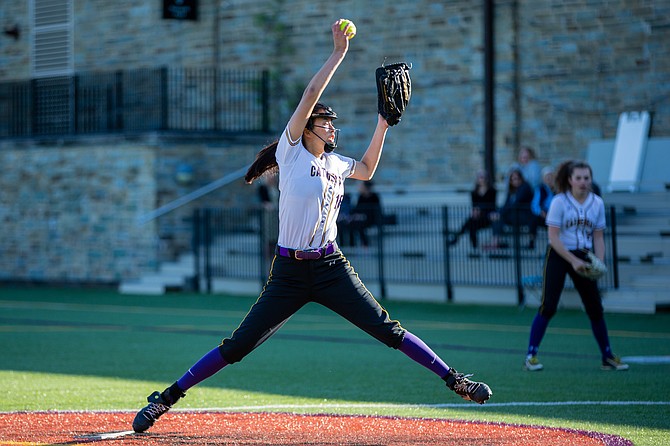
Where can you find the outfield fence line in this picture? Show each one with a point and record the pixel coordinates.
(409, 244)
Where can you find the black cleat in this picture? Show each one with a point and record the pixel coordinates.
(146, 417)
(466, 389)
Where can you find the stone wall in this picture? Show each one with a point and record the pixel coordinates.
(70, 214)
(582, 63)
(75, 212)
(564, 72)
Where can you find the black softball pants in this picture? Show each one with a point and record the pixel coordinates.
(555, 270)
(330, 281)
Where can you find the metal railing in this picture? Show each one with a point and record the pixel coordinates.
(182, 99)
(411, 247)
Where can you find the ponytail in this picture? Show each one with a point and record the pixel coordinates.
(265, 161)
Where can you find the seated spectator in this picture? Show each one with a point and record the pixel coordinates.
(367, 212)
(540, 204)
(529, 166)
(483, 199)
(516, 210)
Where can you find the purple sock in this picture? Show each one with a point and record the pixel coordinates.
(208, 365)
(416, 349)
(600, 333)
(537, 331)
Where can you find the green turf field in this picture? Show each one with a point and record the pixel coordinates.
(85, 349)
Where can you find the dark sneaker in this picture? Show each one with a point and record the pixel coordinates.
(532, 364)
(613, 363)
(146, 417)
(466, 389)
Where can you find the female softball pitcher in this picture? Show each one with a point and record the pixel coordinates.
(308, 266)
(576, 221)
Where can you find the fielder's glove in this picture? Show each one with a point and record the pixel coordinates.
(394, 88)
(595, 269)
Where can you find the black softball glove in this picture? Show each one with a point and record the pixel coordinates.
(394, 88)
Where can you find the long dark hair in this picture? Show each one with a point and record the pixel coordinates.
(510, 187)
(265, 159)
(564, 172)
(265, 162)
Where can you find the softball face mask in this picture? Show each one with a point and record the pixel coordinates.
(328, 114)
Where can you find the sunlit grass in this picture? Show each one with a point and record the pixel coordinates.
(97, 350)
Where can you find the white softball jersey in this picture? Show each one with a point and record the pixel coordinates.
(576, 220)
(311, 191)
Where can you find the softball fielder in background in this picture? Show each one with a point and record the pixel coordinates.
(308, 266)
(576, 221)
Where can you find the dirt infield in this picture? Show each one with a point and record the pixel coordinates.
(226, 428)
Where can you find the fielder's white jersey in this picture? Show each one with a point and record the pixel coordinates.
(576, 220)
(310, 194)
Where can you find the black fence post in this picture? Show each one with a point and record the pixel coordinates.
(110, 110)
(208, 249)
(34, 108)
(447, 254)
(164, 79)
(265, 98)
(118, 119)
(380, 252)
(517, 255)
(197, 240)
(216, 104)
(74, 116)
(263, 242)
(615, 249)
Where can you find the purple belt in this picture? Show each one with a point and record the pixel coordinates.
(310, 254)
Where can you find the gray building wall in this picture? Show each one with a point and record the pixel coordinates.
(74, 210)
(69, 215)
(564, 72)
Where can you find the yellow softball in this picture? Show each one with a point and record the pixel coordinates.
(348, 27)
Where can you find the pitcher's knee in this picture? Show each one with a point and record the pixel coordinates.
(391, 337)
(231, 352)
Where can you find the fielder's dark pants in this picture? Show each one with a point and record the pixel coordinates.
(330, 281)
(555, 270)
